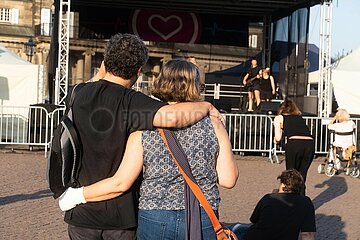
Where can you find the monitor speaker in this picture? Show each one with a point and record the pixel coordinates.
(270, 107)
(310, 105)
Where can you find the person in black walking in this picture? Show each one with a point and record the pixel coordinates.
(299, 148)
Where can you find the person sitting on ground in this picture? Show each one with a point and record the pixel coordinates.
(282, 215)
(344, 133)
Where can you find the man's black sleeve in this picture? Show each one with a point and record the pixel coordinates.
(309, 224)
(142, 110)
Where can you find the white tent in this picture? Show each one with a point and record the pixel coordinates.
(20, 81)
(313, 77)
(345, 78)
(346, 82)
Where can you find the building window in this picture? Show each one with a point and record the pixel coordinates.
(46, 21)
(9, 15)
(253, 41)
(5, 15)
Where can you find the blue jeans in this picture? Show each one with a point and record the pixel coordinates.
(169, 225)
(239, 229)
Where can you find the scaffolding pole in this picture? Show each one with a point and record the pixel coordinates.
(267, 40)
(62, 71)
(324, 85)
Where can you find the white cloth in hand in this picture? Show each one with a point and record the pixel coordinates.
(71, 197)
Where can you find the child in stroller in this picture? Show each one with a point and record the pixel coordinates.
(341, 155)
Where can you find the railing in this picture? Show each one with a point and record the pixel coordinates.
(29, 126)
(75, 32)
(218, 90)
(250, 133)
(55, 118)
(214, 90)
(34, 126)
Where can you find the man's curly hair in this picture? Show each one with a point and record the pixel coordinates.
(292, 180)
(124, 55)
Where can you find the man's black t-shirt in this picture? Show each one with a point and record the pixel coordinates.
(105, 114)
(281, 216)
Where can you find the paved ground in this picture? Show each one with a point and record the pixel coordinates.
(29, 212)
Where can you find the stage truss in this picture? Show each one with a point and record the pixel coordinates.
(62, 71)
(324, 84)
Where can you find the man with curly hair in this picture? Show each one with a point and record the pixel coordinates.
(105, 113)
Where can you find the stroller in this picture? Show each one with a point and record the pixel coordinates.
(338, 158)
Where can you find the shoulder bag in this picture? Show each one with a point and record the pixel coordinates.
(176, 151)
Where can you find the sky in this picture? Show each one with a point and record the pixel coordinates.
(345, 26)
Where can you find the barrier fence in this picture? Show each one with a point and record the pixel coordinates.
(28, 126)
(34, 126)
(250, 133)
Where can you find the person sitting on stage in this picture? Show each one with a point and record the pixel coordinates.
(252, 84)
(267, 85)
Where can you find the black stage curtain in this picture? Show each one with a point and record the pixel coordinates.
(290, 54)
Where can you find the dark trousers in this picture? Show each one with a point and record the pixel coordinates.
(299, 155)
(80, 233)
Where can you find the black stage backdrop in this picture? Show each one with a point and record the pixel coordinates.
(164, 26)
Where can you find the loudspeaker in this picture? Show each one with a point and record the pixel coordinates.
(223, 105)
(310, 105)
(270, 107)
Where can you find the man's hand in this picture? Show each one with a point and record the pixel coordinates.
(213, 112)
(307, 236)
(70, 198)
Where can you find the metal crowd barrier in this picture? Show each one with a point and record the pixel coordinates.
(34, 126)
(55, 118)
(250, 133)
(27, 126)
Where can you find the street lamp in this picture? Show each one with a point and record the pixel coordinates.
(30, 48)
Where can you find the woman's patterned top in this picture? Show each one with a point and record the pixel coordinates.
(163, 184)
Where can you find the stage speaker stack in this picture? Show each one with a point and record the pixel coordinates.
(269, 108)
(310, 105)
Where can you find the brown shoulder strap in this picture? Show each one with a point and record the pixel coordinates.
(197, 192)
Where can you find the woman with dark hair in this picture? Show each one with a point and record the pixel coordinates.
(299, 148)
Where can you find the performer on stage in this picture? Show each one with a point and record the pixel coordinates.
(251, 83)
(267, 85)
